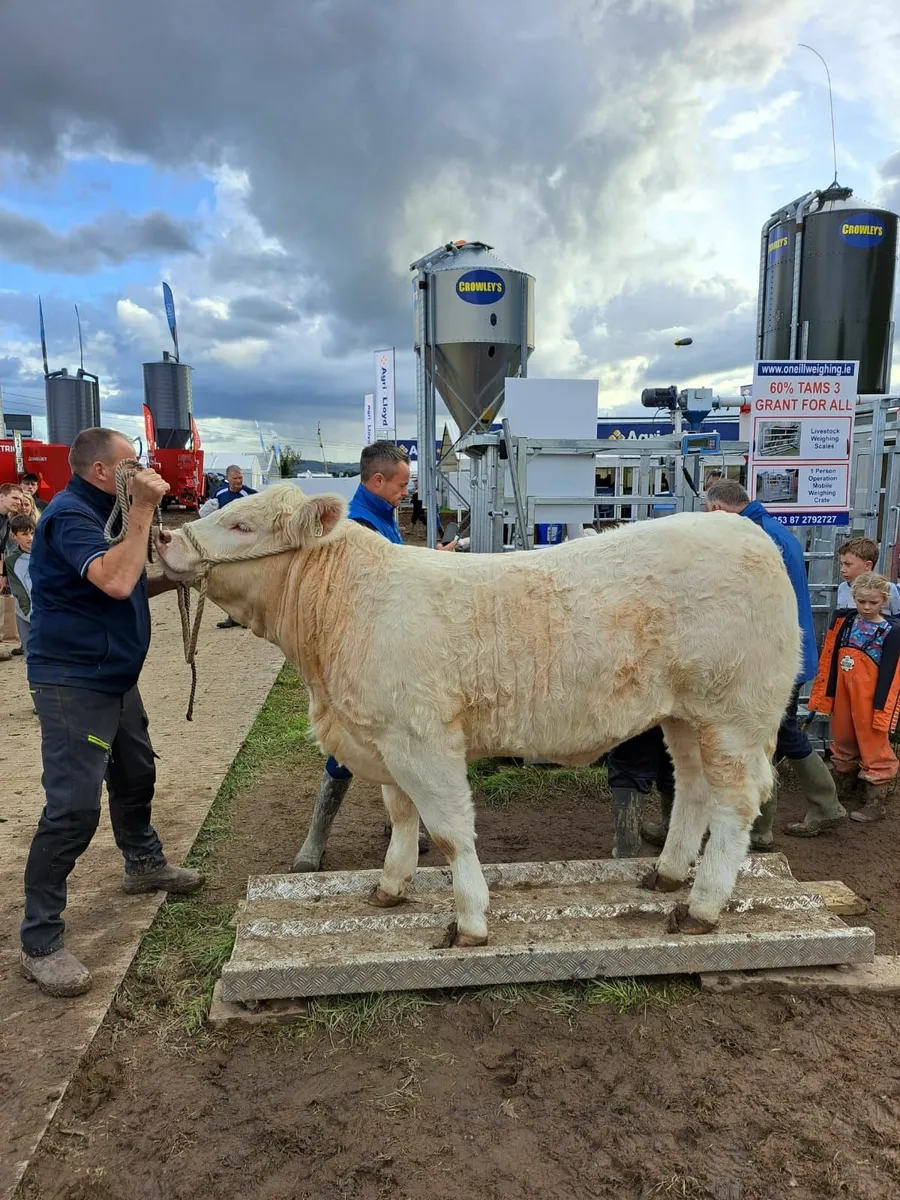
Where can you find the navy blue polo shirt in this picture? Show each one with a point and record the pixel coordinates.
(225, 495)
(80, 637)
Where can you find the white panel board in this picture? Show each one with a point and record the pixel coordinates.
(556, 408)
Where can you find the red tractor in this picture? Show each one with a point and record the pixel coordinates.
(181, 469)
(48, 461)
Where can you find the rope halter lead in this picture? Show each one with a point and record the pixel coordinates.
(125, 471)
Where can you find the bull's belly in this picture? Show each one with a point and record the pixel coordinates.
(578, 746)
(574, 733)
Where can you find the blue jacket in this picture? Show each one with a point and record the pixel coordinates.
(792, 554)
(80, 637)
(368, 509)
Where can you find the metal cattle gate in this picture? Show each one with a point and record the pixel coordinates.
(315, 935)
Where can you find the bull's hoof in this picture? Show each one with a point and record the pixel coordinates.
(654, 882)
(452, 937)
(681, 921)
(381, 899)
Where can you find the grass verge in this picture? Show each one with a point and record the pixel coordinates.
(278, 739)
(171, 980)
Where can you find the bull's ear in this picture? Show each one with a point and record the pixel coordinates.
(316, 519)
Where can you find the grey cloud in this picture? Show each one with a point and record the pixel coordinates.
(263, 311)
(108, 241)
(350, 108)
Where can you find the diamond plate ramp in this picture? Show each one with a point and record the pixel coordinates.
(315, 935)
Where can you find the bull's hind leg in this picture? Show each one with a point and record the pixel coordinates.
(440, 785)
(691, 811)
(740, 779)
(403, 851)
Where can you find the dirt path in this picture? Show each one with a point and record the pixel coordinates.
(560, 1093)
(42, 1040)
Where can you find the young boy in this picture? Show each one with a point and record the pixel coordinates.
(859, 556)
(17, 562)
(859, 684)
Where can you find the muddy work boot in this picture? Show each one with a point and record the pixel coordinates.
(825, 811)
(848, 785)
(656, 834)
(762, 840)
(180, 881)
(627, 807)
(329, 798)
(57, 974)
(874, 795)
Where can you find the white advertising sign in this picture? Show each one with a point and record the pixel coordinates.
(369, 420)
(385, 422)
(800, 440)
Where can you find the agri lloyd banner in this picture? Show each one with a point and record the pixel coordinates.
(385, 419)
(369, 420)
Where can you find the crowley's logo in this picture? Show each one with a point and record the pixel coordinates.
(480, 287)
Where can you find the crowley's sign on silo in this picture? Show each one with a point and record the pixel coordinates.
(385, 422)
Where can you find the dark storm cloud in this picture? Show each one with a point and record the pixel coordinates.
(108, 241)
(341, 113)
(263, 311)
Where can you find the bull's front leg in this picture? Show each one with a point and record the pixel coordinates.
(403, 851)
(440, 785)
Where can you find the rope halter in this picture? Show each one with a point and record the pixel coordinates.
(125, 470)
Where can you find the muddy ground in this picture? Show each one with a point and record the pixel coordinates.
(499, 1094)
(550, 1092)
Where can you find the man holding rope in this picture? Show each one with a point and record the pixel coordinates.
(90, 632)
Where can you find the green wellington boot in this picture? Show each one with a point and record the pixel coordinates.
(654, 833)
(874, 795)
(627, 807)
(762, 840)
(825, 810)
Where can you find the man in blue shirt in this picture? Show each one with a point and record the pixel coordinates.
(384, 480)
(90, 632)
(825, 810)
(233, 489)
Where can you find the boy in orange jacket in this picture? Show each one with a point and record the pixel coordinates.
(859, 684)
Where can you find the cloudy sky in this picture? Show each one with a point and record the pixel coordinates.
(282, 163)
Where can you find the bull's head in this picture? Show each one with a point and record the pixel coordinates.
(277, 520)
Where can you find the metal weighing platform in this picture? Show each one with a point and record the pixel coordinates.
(315, 935)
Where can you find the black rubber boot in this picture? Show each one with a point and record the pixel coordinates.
(656, 834)
(329, 798)
(627, 807)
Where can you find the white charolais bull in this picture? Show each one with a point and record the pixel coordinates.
(418, 662)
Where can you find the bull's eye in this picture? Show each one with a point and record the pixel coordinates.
(242, 528)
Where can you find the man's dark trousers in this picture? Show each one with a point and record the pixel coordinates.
(793, 741)
(86, 737)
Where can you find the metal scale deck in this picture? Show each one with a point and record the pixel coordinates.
(315, 935)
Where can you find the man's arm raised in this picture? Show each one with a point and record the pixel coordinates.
(118, 570)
